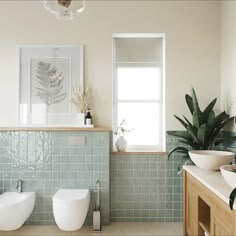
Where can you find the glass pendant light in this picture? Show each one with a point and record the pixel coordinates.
(64, 9)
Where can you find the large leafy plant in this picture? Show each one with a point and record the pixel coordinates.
(204, 131)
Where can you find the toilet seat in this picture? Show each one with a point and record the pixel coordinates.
(68, 196)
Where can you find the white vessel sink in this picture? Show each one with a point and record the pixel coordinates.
(229, 174)
(210, 159)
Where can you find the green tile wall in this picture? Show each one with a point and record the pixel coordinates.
(141, 188)
(146, 188)
(47, 161)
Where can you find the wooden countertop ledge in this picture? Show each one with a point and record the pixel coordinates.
(31, 128)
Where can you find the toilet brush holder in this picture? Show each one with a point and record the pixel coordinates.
(97, 220)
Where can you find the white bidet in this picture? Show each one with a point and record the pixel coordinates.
(15, 209)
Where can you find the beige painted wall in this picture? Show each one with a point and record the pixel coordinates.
(228, 57)
(192, 47)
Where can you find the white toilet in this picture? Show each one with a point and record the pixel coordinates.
(70, 207)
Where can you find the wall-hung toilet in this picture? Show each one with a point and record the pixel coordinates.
(70, 207)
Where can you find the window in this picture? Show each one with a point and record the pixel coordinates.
(138, 94)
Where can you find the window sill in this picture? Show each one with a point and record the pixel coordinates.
(133, 152)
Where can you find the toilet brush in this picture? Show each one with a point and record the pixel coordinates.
(96, 212)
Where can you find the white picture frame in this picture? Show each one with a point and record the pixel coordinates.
(46, 76)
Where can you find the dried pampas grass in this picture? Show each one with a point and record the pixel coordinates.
(80, 98)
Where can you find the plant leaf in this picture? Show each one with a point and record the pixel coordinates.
(181, 121)
(197, 114)
(189, 102)
(193, 134)
(232, 198)
(224, 139)
(202, 135)
(189, 123)
(208, 110)
(179, 149)
(180, 134)
(194, 145)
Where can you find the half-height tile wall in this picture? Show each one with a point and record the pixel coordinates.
(146, 188)
(48, 161)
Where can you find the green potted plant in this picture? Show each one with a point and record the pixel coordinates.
(204, 132)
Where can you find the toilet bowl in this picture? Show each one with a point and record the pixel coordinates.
(70, 207)
(15, 209)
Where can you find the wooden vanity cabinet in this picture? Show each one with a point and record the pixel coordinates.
(204, 211)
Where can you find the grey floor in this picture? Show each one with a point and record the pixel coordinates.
(118, 229)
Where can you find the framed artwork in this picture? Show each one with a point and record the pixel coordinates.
(46, 76)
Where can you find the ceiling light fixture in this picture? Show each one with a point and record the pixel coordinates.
(64, 9)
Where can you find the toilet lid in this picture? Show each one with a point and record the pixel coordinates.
(65, 195)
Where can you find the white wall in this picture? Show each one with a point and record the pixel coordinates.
(192, 47)
(228, 57)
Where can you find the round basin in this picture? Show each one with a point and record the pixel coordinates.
(229, 174)
(210, 159)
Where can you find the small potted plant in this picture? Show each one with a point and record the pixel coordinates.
(80, 98)
(121, 143)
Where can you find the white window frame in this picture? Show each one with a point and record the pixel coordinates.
(161, 102)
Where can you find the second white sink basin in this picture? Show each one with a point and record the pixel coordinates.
(229, 174)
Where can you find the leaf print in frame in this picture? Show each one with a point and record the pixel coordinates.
(46, 76)
(51, 83)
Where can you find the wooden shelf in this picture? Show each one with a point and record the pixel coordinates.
(137, 62)
(205, 226)
(94, 129)
(139, 152)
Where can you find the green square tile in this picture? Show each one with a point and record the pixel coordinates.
(56, 175)
(89, 159)
(63, 167)
(56, 182)
(64, 151)
(56, 151)
(63, 175)
(56, 167)
(89, 142)
(80, 159)
(89, 167)
(97, 151)
(96, 167)
(104, 151)
(96, 159)
(88, 151)
(72, 175)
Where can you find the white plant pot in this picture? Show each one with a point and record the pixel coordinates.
(121, 144)
(80, 119)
